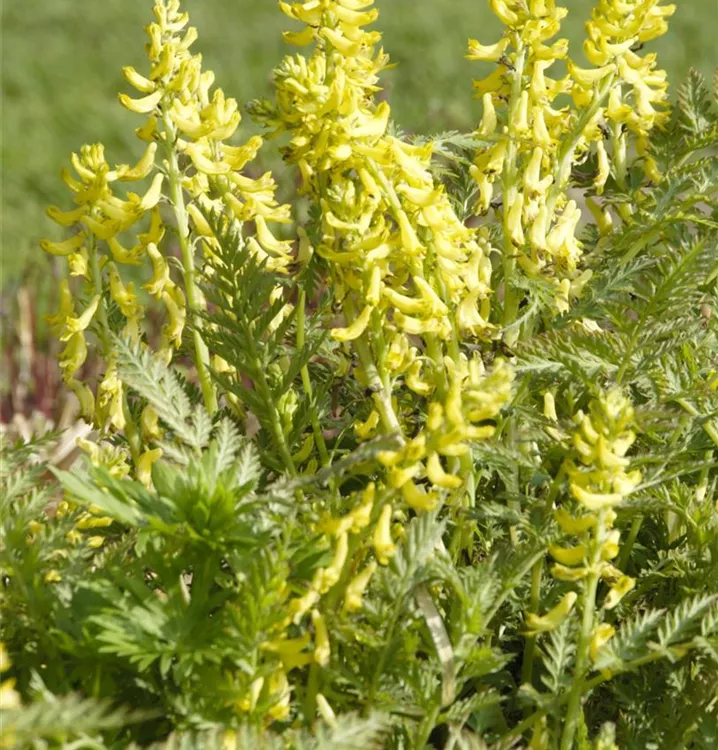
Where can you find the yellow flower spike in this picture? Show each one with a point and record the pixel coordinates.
(569, 556)
(601, 636)
(322, 648)
(142, 168)
(144, 465)
(571, 525)
(623, 586)
(384, 547)
(364, 429)
(145, 105)
(554, 617)
(353, 596)
(595, 500)
(52, 576)
(355, 329)
(489, 52)
(161, 272)
(66, 247)
(417, 498)
(437, 476)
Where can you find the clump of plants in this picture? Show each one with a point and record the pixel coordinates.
(427, 458)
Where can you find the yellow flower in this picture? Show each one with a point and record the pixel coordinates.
(554, 617)
(623, 586)
(322, 648)
(353, 596)
(603, 633)
(384, 547)
(144, 465)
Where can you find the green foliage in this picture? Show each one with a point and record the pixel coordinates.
(167, 610)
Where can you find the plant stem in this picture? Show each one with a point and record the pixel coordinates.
(590, 588)
(201, 353)
(307, 383)
(627, 546)
(509, 190)
(535, 601)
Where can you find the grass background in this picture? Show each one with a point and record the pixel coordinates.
(61, 62)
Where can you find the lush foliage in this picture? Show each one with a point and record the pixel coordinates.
(429, 460)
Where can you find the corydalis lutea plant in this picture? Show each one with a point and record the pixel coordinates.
(481, 551)
(192, 169)
(413, 280)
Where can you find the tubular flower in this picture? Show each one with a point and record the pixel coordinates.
(532, 145)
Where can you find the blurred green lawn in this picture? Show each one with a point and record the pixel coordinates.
(61, 62)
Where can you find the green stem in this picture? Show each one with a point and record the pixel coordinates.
(627, 546)
(534, 602)
(307, 383)
(507, 740)
(536, 576)
(201, 353)
(134, 440)
(509, 191)
(581, 666)
(564, 159)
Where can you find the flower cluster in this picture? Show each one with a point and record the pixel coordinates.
(413, 279)
(599, 480)
(194, 171)
(533, 143)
